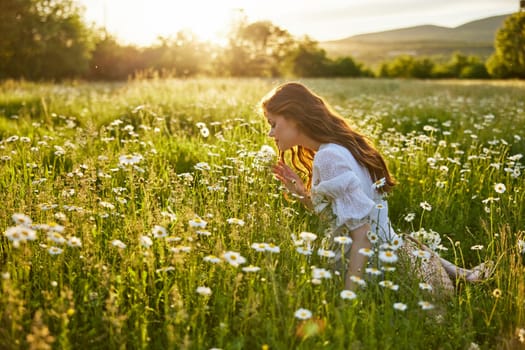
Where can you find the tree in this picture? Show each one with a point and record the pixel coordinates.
(508, 60)
(43, 39)
(308, 60)
(256, 49)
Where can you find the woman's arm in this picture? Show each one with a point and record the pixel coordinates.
(358, 261)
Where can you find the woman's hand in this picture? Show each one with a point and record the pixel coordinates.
(289, 178)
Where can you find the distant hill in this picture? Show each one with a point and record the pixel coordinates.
(472, 38)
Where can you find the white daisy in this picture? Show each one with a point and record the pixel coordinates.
(145, 241)
(388, 256)
(343, 240)
(159, 231)
(234, 258)
(400, 306)
(425, 305)
(203, 291)
(366, 251)
(500, 188)
(118, 243)
(303, 314)
(347, 294)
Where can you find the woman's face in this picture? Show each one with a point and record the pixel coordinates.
(284, 131)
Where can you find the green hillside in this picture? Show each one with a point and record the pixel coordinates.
(472, 38)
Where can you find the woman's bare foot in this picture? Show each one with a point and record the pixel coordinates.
(480, 272)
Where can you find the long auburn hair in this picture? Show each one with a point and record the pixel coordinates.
(316, 119)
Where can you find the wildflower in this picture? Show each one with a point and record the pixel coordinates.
(325, 253)
(308, 236)
(388, 256)
(251, 268)
(476, 247)
(304, 251)
(426, 206)
(22, 219)
(380, 206)
(204, 291)
(19, 234)
(400, 306)
(169, 215)
(358, 280)
(389, 284)
(56, 237)
(6, 275)
(180, 249)
(205, 132)
(425, 286)
(233, 258)
(55, 250)
(366, 252)
(425, 305)
(260, 247)
(419, 253)
(159, 231)
(347, 294)
(318, 273)
(235, 221)
(388, 268)
(129, 159)
(118, 243)
(106, 205)
(272, 248)
(54, 227)
(343, 240)
(202, 166)
(500, 188)
(372, 237)
(521, 335)
(410, 217)
(496, 293)
(521, 246)
(265, 155)
(74, 242)
(303, 314)
(396, 243)
(145, 241)
(373, 271)
(379, 183)
(198, 222)
(212, 259)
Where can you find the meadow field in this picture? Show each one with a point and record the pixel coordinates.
(143, 215)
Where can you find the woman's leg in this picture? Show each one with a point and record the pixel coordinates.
(477, 273)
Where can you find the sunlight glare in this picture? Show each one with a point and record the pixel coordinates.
(141, 22)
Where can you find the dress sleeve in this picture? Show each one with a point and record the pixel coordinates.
(342, 188)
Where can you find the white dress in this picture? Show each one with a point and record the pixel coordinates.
(344, 188)
(344, 194)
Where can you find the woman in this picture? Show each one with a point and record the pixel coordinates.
(347, 179)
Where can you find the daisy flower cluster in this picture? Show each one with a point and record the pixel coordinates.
(26, 230)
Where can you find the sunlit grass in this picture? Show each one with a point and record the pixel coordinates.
(157, 223)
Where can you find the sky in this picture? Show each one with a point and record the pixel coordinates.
(140, 22)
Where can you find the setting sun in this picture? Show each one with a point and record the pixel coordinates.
(141, 22)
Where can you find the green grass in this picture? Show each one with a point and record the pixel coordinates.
(447, 143)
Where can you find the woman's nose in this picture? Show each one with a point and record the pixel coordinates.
(270, 134)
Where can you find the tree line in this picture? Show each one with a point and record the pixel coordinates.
(49, 40)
